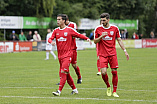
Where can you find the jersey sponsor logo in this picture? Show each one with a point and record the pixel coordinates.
(62, 39)
(107, 38)
(111, 32)
(57, 34)
(65, 33)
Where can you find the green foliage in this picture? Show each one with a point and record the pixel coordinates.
(1, 35)
(143, 10)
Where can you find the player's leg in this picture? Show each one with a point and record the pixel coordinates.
(47, 54)
(53, 54)
(98, 66)
(64, 71)
(71, 84)
(104, 66)
(77, 69)
(114, 65)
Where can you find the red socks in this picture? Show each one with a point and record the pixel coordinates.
(105, 78)
(63, 78)
(98, 65)
(114, 80)
(70, 81)
(77, 70)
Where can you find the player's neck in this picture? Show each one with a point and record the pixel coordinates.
(62, 26)
(107, 25)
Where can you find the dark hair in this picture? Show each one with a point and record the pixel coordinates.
(105, 15)
(63, 16)
(67, 18)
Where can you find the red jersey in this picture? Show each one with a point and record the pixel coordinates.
(73, 25)
(106, 46)
(64, 40)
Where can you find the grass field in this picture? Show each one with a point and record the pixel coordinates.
(26, 78)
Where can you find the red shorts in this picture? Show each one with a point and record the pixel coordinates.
(65, 63)
(74, 57)
(112, 60)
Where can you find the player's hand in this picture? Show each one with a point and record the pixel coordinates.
(104, 34)
(127, 55)
(89, 41)
(53, 43)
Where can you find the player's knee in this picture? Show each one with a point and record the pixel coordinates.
(103, 73)
(74, 66)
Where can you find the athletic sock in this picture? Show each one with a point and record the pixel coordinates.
(70, 81)
(47, 55)
(62, 81)
(77, 70)
(105, 78)
(52, 53)
(98, 65)
(114, 80)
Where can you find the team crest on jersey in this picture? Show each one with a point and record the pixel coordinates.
(111, 32)
(57, 34)
(65, 34)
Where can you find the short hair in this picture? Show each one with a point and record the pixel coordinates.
(67, 18)
(63, 16)
(105, 15)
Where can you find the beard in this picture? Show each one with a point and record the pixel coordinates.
(105, 24)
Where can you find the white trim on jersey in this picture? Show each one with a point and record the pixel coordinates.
(75, 26)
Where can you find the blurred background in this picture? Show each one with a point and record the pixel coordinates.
(142, 11)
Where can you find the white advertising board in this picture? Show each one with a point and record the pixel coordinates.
(11, 22)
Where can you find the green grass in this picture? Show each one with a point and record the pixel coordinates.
(26, 78)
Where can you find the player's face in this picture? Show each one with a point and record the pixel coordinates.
(60, 21)
(105, 21)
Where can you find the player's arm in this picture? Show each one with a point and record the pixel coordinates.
(97, 40)
(78, 35)
(123, 48)
(51, 38)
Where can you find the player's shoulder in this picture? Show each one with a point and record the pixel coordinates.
(99, 26)
(113, 26)
(71, 29)
(72, 23)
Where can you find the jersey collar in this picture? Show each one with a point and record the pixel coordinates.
(107, 27)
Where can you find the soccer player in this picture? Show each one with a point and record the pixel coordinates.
(49, 46)
(105, 36)
(64, 36)
(74, 48)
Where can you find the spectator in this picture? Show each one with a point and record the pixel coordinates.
(29, 36)
(152, 36)
(140, 36)
(36, 36)
(91, 36)
(13, 36)
(135, 36)
(125, 33)
(122, 34)
(22, 37)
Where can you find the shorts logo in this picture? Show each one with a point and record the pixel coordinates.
(111, 32)
(65, 34)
